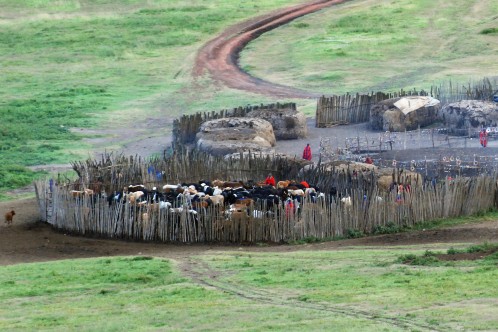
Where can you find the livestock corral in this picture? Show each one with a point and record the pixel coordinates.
(193, 197)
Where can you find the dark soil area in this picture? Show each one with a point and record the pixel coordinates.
(29, 240)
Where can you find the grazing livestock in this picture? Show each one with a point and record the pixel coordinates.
(347, 201)
(297, 192)
(245, 201)
(135, 188)
(81, 193)
(283, 184)
(134, 197)
(9, 217)
(215, 199)
(170, 187)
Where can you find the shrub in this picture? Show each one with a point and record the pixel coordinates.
(412, 259)
(354, 233)
(388, 228)
(453, 251)
(301, 25)
(489, 31)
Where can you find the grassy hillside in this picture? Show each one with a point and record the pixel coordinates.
(366, 45)
(102, 64)
(347, 290)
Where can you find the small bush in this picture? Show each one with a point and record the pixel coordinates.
(142, 258)
(388, 228)
(481, 248)
(453, 251)
(489, 31)
(354, 234)
(412, 259)
(301, 25)
(429, 253)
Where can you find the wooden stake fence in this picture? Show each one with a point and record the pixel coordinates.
(345, 109)
(325, 218)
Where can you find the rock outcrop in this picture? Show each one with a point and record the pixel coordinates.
(231, 135)
(407, 113)
(287, 123)
(466, 114)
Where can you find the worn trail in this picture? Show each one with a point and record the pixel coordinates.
(219, 57)
(203, 274)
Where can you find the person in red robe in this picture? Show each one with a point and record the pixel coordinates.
(307, 152)
(483, 138)
(270, 180)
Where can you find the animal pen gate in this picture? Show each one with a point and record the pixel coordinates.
(324, 218)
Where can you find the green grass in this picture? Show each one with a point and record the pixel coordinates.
(363, 46)
(350, 289)
(137, 294)
(104, 64)
(391, 228)
(450, 296)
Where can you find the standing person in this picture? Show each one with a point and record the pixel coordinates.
(307, 152)
(483, 138)
(270, 180)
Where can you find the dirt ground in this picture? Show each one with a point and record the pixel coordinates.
(29, 240)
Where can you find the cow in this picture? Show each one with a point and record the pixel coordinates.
(134, 197)
(81, 193)
(216, 199)
(9, 217)
(283, 184)
(135, 188)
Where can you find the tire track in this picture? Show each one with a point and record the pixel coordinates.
(201, 273)
(219, 57)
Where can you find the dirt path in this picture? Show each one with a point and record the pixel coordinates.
(29, 240)
(219, 57)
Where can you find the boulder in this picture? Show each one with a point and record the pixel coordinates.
(231, 135)
(467, 114)
(287, 123)
(406, 113)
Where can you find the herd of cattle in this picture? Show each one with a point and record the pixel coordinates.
(231, 197)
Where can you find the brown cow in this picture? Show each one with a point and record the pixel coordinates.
(248, 202)
(9, 216)
(283, 184)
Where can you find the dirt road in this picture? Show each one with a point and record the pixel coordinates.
(219, 56)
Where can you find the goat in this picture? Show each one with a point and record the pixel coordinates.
(9, 216)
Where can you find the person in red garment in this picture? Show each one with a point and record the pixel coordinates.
(307, 152)
(270, 180)
(483, 138)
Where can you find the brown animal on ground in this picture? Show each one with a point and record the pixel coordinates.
(9, 216)
(283, 184)
(245, 201)
(81, 193)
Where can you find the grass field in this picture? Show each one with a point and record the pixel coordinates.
(350, 290)
(102, 64)
(370, 45)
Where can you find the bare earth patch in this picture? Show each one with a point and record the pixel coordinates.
(29, 240)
